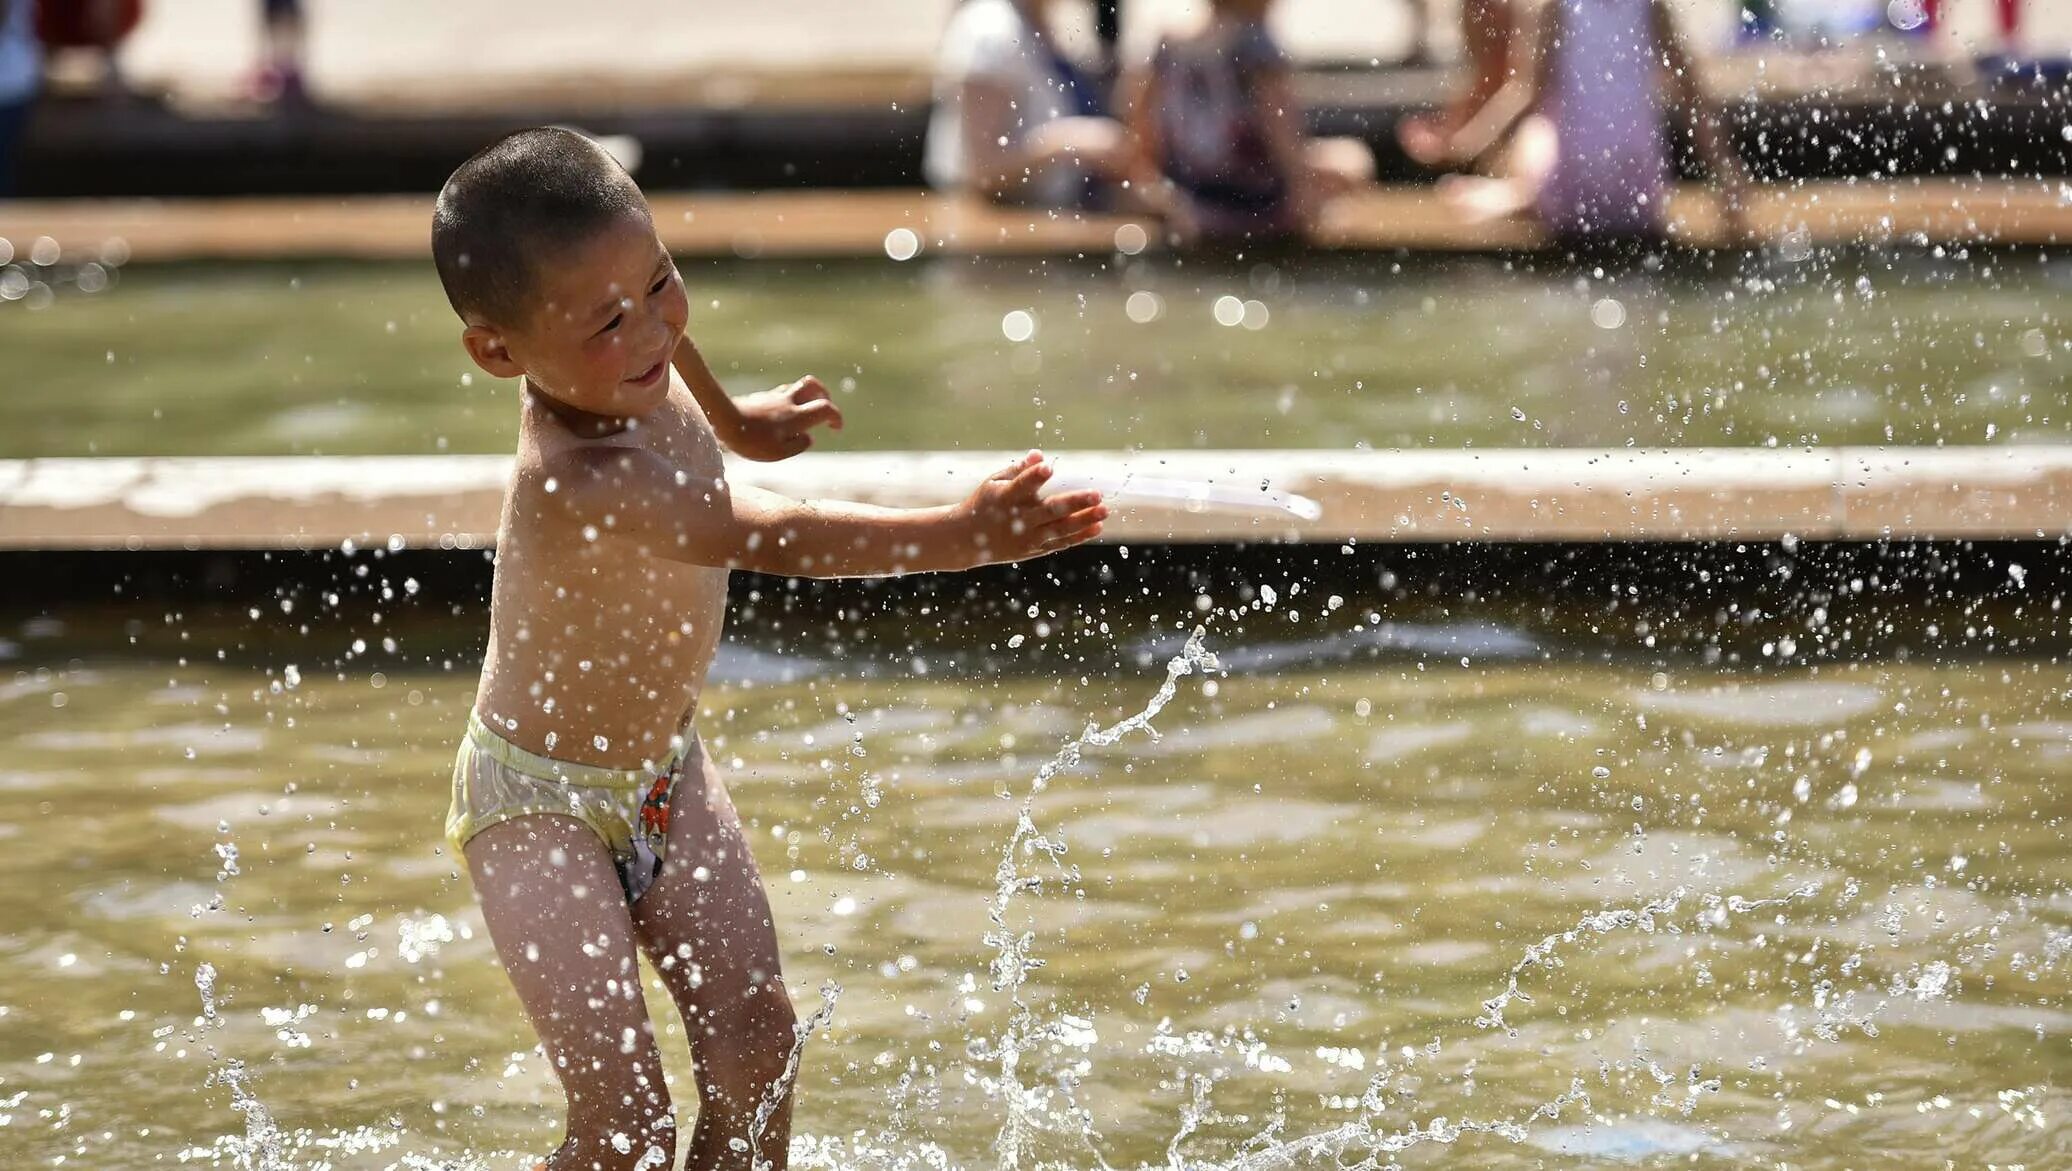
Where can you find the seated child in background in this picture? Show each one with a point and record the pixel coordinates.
(593, 822)
(1219, 133)
(1593, 83)
(1015, 120)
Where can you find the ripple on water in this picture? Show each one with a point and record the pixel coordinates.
(236, 808)
(1405, 740)
(1934, 740)
(1555, 721)
(1808, 703)
(1629, 1141)
(1292, 724)
(130, 901)
(44, 780)
(1203, 815)
(204, 739)
(1443, 953)
(1938, 796)
(1480, 640)
(1663, 861)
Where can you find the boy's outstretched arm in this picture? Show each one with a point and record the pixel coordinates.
(766, 426)
(635, 497)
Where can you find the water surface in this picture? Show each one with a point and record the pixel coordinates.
(1809, 914)
(1869, 347)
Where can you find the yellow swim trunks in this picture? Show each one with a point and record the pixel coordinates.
(494, 780)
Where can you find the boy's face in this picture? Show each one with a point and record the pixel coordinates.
(605, 320)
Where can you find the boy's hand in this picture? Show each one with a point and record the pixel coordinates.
(1005, 521)
(774, 424)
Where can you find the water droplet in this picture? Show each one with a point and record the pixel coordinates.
(902, 244)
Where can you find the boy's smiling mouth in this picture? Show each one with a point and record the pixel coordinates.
(651, 375)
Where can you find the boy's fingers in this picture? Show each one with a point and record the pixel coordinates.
(1014, 469)
(1092, 515)
(808, 389)
(1065, 503)
(819, 411)
(1032, 474)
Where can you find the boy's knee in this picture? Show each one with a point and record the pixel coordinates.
(745, 1054)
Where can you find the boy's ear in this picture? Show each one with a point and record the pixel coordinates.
(486, 346)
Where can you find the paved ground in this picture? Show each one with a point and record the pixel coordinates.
(474, 52)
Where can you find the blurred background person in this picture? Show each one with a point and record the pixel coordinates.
(282, 44)
(1218, 132)
(90, 28)
(21, 76)
(1485, 38)
(1593, 83)
(1015, 120)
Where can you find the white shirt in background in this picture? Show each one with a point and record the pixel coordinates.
(989, 40)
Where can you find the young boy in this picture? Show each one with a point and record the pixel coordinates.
(592, 820)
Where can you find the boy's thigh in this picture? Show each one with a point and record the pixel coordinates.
(708, 907)
(551, 899)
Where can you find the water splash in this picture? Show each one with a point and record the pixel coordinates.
(1011, 946)
(262, 1148)
(803, 1032)
(1715, 909)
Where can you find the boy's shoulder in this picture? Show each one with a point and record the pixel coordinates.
(561, 474)
(558, 475)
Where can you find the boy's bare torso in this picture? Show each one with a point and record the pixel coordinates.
(597, 649)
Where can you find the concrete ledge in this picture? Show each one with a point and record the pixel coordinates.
(452, 502)
(803, 224)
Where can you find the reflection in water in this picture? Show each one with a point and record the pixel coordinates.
(1550, 913)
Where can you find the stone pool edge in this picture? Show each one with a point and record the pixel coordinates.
(1560, 495)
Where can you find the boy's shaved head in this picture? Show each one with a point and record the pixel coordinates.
(513, 203)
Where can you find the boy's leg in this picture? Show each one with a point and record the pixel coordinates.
(706, 923)
(551, 898)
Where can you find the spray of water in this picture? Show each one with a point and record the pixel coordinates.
(262, 1149)
(803, 1032)
(1543, 954)
(1012, 961)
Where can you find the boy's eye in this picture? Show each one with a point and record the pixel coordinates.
(612, 324)
(660, 284)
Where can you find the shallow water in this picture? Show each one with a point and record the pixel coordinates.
(1816, 915)
(1865, 347)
